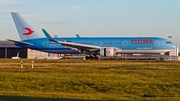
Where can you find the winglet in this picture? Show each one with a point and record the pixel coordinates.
(47, 35)
(77, 35)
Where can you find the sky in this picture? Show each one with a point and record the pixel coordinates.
(91, 18)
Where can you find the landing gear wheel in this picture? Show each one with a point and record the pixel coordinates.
(87, 58)
(91, 58)
(161, 59)
(96, 58)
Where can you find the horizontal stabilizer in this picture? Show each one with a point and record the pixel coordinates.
(20, 42)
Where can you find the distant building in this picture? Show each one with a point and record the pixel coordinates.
(9, 50)
(174, 52)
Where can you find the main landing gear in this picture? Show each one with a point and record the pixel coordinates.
(90, 57)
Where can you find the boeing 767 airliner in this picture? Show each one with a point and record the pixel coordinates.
(93, 46)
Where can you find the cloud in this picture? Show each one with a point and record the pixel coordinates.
(29, 15)
(75, 7)
(52, 6)
(6, 2)
(42, 19)
(110, 21)
(55, 6)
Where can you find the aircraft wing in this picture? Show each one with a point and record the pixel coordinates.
(77, 45)
(71, 44)
(20, 42)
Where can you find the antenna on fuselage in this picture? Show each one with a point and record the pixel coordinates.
(170, 37)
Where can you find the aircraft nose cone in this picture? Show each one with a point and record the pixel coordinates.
(173, 46)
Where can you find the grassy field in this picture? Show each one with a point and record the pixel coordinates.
(89, 80)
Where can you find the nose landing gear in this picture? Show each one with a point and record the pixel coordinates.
(161, 58)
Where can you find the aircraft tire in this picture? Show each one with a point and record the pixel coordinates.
(91, 58)
(161, 59)
(87, 58)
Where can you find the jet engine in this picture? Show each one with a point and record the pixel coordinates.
(108, 52)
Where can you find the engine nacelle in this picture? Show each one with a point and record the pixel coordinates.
(107, 52)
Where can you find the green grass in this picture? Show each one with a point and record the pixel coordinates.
(91, 80)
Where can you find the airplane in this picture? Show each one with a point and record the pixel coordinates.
(94, 47)
(17, 57)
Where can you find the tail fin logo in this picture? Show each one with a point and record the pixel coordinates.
(29, 31)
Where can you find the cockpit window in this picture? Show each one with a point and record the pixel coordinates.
(168, 42)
